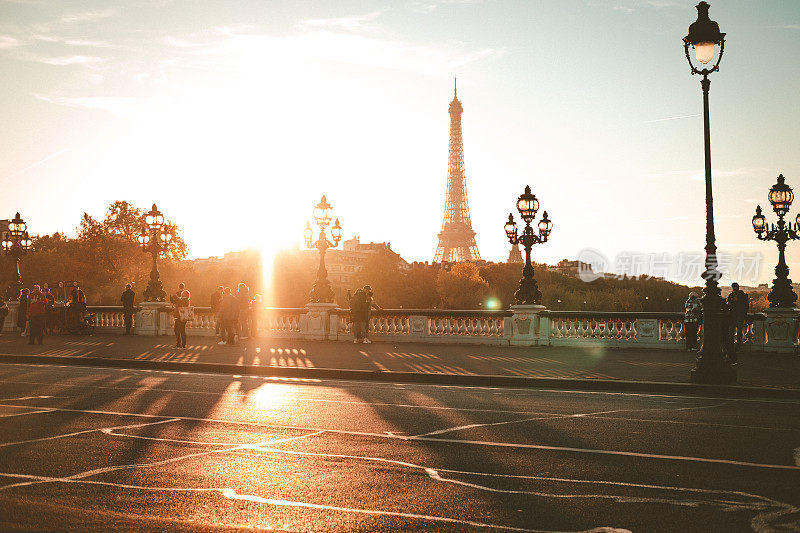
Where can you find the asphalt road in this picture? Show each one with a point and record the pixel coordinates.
(94, 449)
(582, 362)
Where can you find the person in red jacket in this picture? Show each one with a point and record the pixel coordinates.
(37, 313)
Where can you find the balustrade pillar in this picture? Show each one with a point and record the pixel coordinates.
(526, 325)
(780, 327)
(149, 319)
(315, 323)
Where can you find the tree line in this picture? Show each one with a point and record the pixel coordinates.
(105, 255)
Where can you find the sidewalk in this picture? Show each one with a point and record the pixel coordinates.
(590, 363)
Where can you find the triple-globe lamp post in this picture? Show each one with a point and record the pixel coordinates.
(323, 213)
(780, 196)
(154, 240)
(713, 364)
(16, 243)
(528, 292)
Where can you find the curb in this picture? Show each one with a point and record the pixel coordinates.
(472, 380)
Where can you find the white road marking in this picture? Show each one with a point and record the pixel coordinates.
(725, 500)
(76, 433)
(115, 468)
(505, 391)
(442, 408)
(27, 413)
(577, 415)
(23, 398)
(320, 400)
(233, 495)
(421, 438)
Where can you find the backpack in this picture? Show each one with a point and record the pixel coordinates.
(358, 304)
(186, 314)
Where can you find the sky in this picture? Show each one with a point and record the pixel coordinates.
(236, 116)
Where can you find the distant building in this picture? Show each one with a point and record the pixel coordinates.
(344, 264)
(571, 268)
(230, 259)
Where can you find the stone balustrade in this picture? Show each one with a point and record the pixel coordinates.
(109, 318)
(426, 325)
(646, 329)
(272, 322)
(773, 330)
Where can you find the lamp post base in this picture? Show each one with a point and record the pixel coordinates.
(321, 292)
(154, 292)
(528, 292)
(782, 295)
(713, 366)
(13, 290)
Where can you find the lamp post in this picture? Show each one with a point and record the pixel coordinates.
(154, 240)
(16, 243)
(527, 205)
(780, 196)
(323, 212)
(713, 364)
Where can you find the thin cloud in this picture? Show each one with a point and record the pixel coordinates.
(36, 164)
(355, 23)
(68, 60)
(7, 41)
(88, 16)
(421, 6)
(665, 219)
(670, 118)
(700, 174)
(629, 6)
(322, 46)
(118, 105)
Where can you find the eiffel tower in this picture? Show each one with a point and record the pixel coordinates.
(457, 239)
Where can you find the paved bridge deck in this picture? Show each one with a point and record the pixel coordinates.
(636, 364)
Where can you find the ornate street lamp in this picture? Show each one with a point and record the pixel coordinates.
(713, 364)
(16, 243)
(154, 239)
(780, 196)
(527, 205)
(323, 213)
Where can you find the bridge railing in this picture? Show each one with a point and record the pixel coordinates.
(426, 325)
(774, 330)
(646, 329)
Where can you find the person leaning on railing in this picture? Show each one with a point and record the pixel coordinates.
(127, 299)
(76, 308)
(48, 314)
(358, 315)
(216, 300)
(37, 308)
(182, 313)
(3, 313)
(255, 315)
(691, 320)
(370, 303)
(228, 314)
(22, 312)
